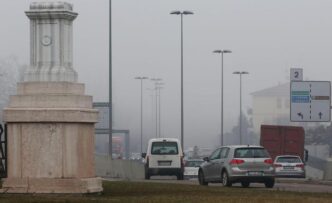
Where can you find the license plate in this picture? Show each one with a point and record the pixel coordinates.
(164, 163)
(254, 173)
(288, 167)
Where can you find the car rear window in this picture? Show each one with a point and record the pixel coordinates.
(289, 160)
(164, 148)
(251, 152)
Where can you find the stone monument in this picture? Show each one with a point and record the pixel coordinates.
(50, 122)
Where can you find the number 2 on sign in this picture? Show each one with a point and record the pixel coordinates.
(296, 74)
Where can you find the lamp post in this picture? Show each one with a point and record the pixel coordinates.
(156, 80)
(152, 110)
(222, 52)
(110, 110)
(181, 13)
(158, 88)
(240, 73)
(141, 78)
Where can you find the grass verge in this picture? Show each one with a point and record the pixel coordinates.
(118, 191)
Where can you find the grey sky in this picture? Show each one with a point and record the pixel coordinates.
(267, 37)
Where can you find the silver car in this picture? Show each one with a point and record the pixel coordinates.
(289, 166)
(237, 164)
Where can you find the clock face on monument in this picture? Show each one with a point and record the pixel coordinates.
(46, 40)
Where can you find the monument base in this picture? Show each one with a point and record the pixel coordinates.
(52, 185)
(50, 128)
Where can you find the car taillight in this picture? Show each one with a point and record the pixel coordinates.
(277, 165)
(268, 161)
(300, 165)
(147, 160)
(236, 161)
(182, 162)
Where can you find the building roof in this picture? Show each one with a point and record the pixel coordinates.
(279, 90)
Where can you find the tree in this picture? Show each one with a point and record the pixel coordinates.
(248, 135)
(319, 135)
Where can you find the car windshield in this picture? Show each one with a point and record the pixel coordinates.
(194, 163)
(288, 160)
(164, 148)
(251, 152)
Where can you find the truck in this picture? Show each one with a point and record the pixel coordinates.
(118, 150)
(283, 140)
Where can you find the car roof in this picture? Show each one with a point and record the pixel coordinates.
(242, 146)
(164, 139)
(288, 156)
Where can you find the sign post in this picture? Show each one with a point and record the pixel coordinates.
(310, 101)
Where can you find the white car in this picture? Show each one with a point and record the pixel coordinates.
(191, 167)
(164, 157)
(289, 166)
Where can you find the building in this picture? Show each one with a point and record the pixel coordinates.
(271, 106)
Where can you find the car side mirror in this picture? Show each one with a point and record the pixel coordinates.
(206, 159)
(143, 155)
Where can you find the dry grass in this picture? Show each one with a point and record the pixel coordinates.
(164, 192)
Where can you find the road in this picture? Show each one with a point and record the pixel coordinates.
(295, 185)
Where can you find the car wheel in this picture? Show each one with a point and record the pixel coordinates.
(245, 183)
(269, 183)
(180, 176)
(225, 179)
(201, 178)
(147, 174)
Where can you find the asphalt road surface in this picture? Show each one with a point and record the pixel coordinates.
(295, 185)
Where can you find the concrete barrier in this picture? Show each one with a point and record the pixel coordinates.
(328, 169)
(118, 168)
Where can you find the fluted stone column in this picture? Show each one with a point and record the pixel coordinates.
(51, 42)
(50, 122)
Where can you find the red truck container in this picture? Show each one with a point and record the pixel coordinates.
(283, 140)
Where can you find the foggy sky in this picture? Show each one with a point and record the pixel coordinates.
(267, 37)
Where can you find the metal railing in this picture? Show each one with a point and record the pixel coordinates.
(3, 151)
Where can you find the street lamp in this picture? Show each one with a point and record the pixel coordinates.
(240, 73)
(222, 52)
(156, 80)
(141, 78)
(152, 90)
(158, 88)
(110, 110)
(181, 13)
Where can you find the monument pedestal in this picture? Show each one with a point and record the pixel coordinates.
(52, 185)
(50, 128)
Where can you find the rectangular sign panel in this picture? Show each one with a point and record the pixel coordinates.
(103, 115)
(310, 101)
(296, 74)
